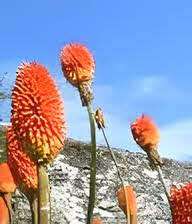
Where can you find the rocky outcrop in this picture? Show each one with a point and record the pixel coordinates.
(69, 178)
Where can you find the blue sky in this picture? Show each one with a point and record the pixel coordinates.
(143, 53)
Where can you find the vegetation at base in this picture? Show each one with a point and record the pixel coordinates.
(2, 145)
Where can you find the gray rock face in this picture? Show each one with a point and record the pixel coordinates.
(69, 178)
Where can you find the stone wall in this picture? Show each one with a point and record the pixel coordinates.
(69, 177)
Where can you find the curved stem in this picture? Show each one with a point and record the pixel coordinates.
(93, 167)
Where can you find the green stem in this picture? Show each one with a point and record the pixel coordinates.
(93, 167)
(113, 156)
(43, 196)
(34, 210)
(164, 186)
(163, 181)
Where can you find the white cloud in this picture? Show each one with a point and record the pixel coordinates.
(150, 84)
(158, 88)
(176, 140)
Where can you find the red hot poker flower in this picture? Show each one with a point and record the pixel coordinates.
(146, 135)
(37, 112)
(78, 67)
(181, 204)
(23, 168)
(97, 220)
(77, 63)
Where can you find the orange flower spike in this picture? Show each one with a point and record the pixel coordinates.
(146, 135)
(129, 206)
(4, 212)
(77, 63)
(37, 112)
(181, 204)
(23, 168)
(78, 67)
(7, 184)
(97, 220)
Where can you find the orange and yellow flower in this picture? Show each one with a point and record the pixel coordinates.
(145, 133)
(77, 63)
(181, 204)
(37, 112)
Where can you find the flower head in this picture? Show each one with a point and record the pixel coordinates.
(181, 204)
(37, 112)
(77, 63)
(23, 168)
(145, 133)
(128, 203)
(97, 220)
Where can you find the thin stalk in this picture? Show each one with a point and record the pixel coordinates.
(163, 182)
(164, 186)
(43, 196)
(128, 216)
(113, 156)
(92, 188)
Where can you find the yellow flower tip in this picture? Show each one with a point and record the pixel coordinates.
(37, 112)
(23, 168)
(99, 118)
(77, 63)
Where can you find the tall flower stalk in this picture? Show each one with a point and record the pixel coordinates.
(38, 122)
(99, 118)
(78, 67)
